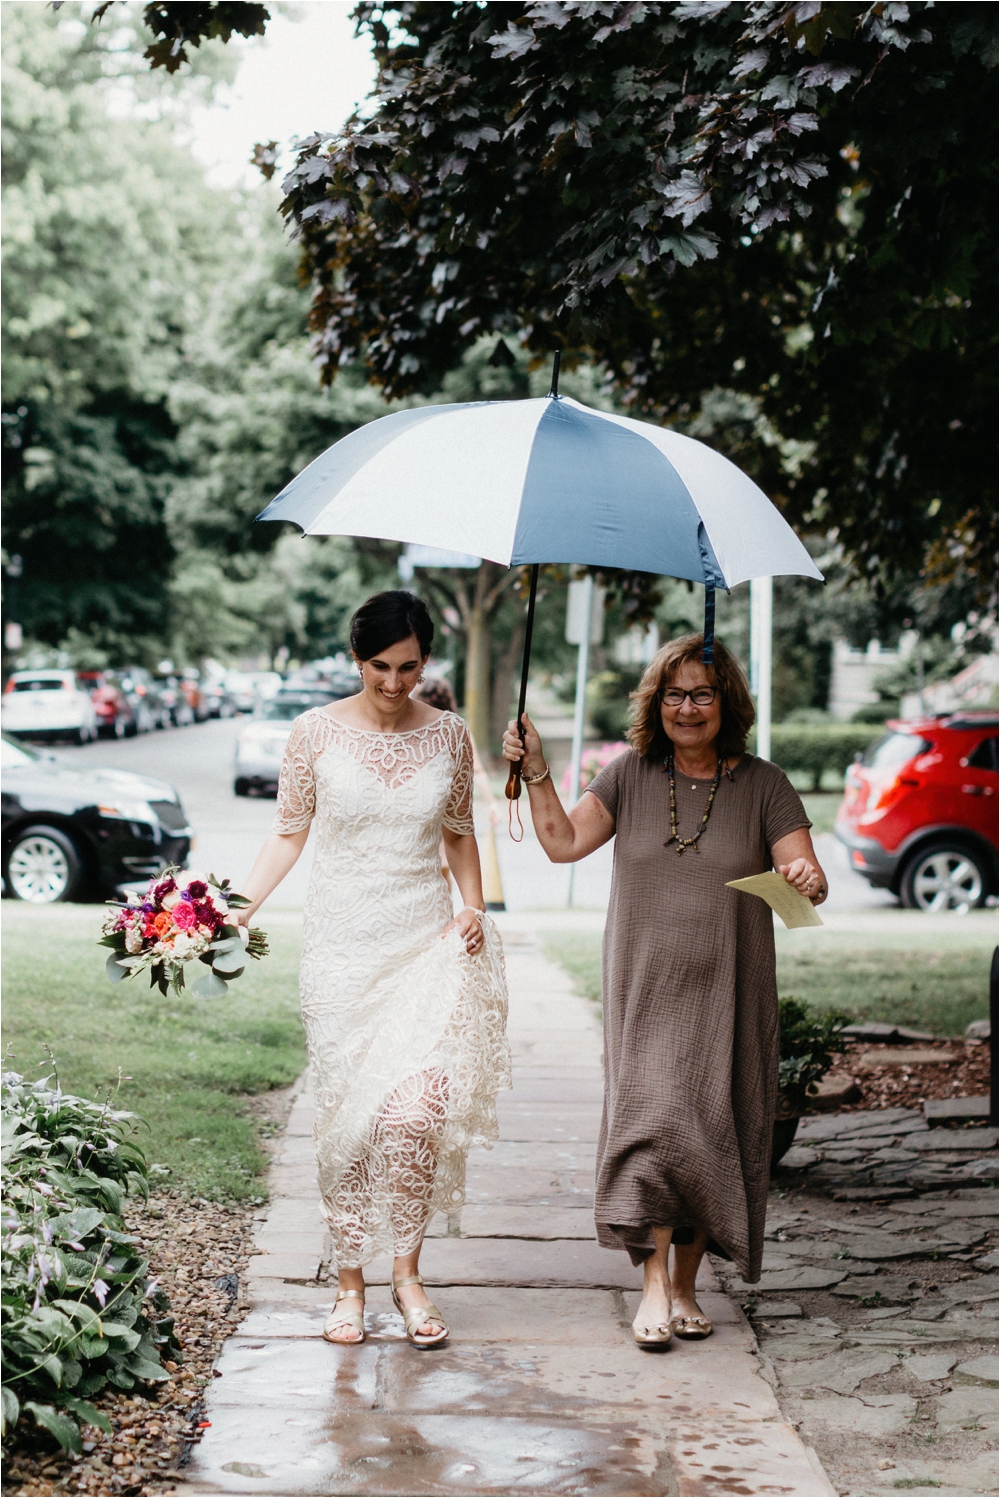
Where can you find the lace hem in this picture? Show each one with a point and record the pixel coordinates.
(383, 1176)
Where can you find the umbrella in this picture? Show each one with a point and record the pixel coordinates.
(547, 480)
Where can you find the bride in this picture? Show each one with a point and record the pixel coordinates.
(404, 1003)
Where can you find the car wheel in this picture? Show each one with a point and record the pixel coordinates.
(241, 786)
(944, 876)
(44, 867)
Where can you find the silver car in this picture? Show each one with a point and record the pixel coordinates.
(260, 744)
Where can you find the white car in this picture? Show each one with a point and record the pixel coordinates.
(49, 705)
(249, 688)
(260, 744)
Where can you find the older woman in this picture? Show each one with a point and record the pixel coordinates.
(690, 1001)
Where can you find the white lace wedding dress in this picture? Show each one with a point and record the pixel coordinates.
(406, 1032)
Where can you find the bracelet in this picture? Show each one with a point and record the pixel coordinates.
(536, 779)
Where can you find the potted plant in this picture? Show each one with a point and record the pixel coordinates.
(807, 1047)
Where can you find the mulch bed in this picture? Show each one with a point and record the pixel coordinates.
(903, 1086)
(191, 1244)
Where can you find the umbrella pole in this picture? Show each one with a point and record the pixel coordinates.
(513, 787)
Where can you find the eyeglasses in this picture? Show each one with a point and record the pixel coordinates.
(700, 697)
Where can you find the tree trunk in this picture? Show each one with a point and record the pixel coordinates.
(503, 681)
(477, 677)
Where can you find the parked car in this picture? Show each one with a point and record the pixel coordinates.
(115, 718)
(260, 744)
(69, 832)
(142, 691)
(175, 703)
(190, 685)
(919, 814)
(216, 699)
(49, 705)
(248, 688)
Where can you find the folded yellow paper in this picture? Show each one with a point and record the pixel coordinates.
(793, 908)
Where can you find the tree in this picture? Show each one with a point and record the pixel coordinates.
(792, 202)
(111, 237)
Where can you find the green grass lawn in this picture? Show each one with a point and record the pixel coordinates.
(188, 1065)
(935, 982)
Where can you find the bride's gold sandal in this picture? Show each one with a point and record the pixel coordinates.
(419, 1316)
(336, 1318)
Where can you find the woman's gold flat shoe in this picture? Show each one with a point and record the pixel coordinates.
(652, 1336)
(691, 1328)
(419, 1316)
(336, 1318)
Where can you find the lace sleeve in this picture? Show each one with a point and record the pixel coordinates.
(297, 783)
(458, 812)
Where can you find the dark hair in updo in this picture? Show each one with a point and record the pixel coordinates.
(386, 618)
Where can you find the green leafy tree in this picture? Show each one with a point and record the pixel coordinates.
(111, 239)
(793, 203)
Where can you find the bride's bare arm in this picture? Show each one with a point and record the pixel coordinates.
(565, 838)
(278, 855)
(463, 860)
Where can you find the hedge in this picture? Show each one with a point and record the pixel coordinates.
(812, 748)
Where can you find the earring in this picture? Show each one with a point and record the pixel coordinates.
(422, 676)
(361, 669)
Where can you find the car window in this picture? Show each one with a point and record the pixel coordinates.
(41, 684)
(894, 749)
(984, 756)
(283, 709)
(15, 756)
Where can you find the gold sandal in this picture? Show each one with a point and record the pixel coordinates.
(346, 1318)
(419, 1316)
(691, 1328)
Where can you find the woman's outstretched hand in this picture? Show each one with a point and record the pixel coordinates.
(804, 876)
(469, 928)
(531, 754)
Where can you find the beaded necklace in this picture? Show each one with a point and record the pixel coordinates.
(675, 837)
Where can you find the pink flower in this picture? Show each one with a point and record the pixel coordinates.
(184, 915)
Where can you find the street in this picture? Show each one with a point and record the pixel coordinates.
(229, 829)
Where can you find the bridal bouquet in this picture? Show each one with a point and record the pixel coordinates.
(182, 918)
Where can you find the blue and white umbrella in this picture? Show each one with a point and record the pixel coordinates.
(548, 480)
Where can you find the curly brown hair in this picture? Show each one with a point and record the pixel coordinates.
(646, 733)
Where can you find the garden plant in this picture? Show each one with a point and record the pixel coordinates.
(79, 1311)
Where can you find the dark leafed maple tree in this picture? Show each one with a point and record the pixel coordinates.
(795, 202)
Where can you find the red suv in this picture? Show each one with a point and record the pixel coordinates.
(919, 814)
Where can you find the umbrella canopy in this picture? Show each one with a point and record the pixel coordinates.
(546, 480)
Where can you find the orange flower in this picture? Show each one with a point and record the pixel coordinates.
(163, 923)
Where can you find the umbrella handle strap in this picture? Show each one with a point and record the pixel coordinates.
(512, 790)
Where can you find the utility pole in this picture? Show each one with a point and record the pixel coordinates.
(761, 647)
(583, 629)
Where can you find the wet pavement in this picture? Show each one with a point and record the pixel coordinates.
(541, 1388)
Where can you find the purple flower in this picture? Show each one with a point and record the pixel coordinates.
(196, 890)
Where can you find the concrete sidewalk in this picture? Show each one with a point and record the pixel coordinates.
(541, 1388)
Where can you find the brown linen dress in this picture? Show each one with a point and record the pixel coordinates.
(690, 1010)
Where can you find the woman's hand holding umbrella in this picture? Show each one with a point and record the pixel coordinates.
(564, 837)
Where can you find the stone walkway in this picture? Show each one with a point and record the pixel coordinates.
(541, 1388)
(876, 1307)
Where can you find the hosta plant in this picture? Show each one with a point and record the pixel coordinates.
(79, 1312)
(807, 1047)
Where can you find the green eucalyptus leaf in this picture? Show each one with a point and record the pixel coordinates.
(209, 986)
